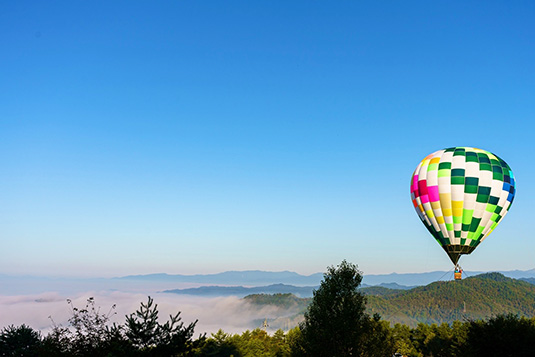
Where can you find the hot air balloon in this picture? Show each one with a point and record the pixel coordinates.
(461, 194)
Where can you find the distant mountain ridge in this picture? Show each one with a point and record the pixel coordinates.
(241, 291)
(247, 277)
(24, 284)
(529, 280)
(299, 291)
(259, 277)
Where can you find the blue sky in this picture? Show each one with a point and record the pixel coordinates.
(198, 137)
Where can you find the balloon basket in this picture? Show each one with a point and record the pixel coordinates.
(458, 274)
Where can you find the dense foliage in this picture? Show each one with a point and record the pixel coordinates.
(473, 298)
(286, 301)
(336, 322)
(502, 335)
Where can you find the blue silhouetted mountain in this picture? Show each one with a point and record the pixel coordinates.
(248, 277)
(241, 291)
(301, 291)
(258, 277)
(529, 280)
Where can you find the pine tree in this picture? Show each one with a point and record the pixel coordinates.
(153, 339)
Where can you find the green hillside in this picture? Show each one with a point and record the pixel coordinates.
(476, 297)
(382, 291)
(285, 301)
(446, 301)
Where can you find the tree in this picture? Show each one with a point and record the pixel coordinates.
(90, 328)
(294, 339)
(279, 344)
(19, 341)
(57, 343)
(154, 339)
(336, 321)
(502, 335)
(252, 343)
(219, 345)
(378, 339)
(90, 335)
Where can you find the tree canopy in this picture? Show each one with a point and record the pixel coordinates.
(336, 322)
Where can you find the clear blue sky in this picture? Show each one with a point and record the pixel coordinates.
(203, 136)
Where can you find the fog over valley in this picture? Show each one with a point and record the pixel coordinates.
(41, 311)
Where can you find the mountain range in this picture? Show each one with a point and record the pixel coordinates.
(258, 277)
(17, 285)
(241, 291)
(477, 297)
(247, 277)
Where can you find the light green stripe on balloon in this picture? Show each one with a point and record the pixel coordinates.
(478, 232)
(444, 173)
(467, 215)
(490, 208)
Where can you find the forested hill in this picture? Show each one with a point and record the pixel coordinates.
(476, 297)
(446, 301)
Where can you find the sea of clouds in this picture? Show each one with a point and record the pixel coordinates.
(42, 310)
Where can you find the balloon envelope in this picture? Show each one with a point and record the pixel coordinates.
(461, 194)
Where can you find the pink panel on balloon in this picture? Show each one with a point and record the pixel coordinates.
(414, 186)
(433, 193)
(422, 187)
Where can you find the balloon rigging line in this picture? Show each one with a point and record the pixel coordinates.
(449, 271)
(399, 308)
(468, 276)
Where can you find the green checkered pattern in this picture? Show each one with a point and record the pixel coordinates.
(461, 194)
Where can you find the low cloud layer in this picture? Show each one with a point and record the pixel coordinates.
(231, 314)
